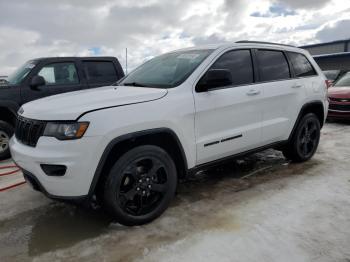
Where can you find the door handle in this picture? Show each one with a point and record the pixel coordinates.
(253, 92)
(296, 86)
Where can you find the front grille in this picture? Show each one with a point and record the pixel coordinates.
(339, 107)
(29, 131)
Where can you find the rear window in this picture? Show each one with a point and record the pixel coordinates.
(301, 65)
(273, 65)
(100, 72)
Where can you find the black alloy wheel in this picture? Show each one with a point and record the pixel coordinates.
(140, 185)
(305, 139)
(308, 138)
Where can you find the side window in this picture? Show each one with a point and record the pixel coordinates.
(239, 63)
(273, 65)
(302, 67)
(100, 72)
(60, 74)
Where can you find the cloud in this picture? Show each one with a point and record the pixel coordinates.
(336, 31)
(304, 4)
(275, 10)
(208, 40)
(37, 28)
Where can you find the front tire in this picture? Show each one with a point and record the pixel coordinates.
(140, 185)
(6, 131)
(305, 139)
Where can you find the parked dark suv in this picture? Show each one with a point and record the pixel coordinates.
(49, 76)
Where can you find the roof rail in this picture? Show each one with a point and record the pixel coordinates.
(261, 42)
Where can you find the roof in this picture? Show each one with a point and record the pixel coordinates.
(327, 43)
(335, 55)
(253, 44)
(73, 57)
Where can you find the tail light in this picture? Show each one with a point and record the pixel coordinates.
(328, 83)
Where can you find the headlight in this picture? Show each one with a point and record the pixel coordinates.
(66, 131)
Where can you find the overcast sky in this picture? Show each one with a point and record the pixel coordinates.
(35, 28)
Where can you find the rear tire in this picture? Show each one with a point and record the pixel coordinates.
(305, 139)
(6, 132)
(140, 185)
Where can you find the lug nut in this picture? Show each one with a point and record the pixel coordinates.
(140, 180)
(149, 186)
(138, 189)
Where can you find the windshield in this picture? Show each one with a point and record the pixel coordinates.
(166, 71)
(16, 77)
(344, 81)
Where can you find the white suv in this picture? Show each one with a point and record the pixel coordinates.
(128, 144)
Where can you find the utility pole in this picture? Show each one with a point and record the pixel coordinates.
(126, 61)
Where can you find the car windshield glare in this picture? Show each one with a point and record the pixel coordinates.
(344, 81)
(166, 71)
(16, 77)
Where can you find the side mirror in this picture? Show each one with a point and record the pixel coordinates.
(37, 81)
(214, 78)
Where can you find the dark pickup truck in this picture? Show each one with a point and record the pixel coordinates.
(50, 76)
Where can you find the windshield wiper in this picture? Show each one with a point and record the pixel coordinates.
(134, 84)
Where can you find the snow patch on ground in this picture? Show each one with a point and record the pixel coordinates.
(307, 220)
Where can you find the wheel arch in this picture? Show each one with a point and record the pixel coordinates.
(162, 137)
(315, 107)
(7, 114)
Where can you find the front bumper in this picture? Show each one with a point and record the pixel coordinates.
(36, 185)
(79, 156)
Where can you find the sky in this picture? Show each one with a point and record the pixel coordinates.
(37, 28)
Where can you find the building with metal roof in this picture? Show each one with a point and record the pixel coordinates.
(332, 55)
(338, 46)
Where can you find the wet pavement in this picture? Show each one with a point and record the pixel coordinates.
(258, 208)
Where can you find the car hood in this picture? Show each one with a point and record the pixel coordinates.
(69, 106)
(339, 92)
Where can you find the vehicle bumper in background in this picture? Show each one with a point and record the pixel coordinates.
(80, 157)
(338, 115)
(339, 110)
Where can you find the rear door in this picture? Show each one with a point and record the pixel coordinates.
(100, 72)
(228, 118)
(282, 94)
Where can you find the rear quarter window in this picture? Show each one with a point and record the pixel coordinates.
(100, 72)
(301, 65)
